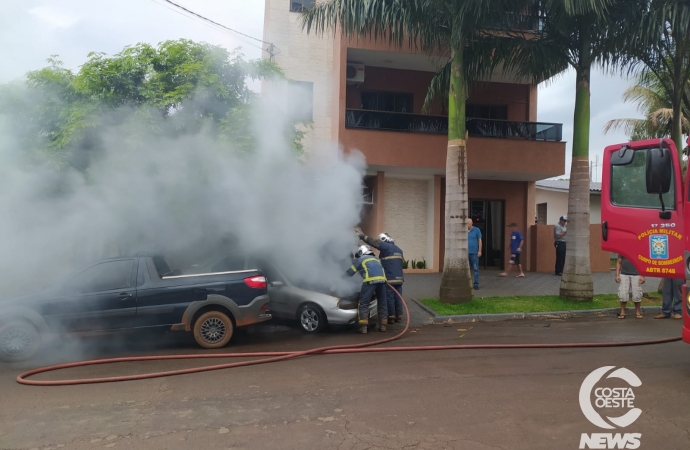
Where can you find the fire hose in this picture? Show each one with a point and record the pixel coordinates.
(267, 357)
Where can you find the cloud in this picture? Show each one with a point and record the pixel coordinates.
(54, 17)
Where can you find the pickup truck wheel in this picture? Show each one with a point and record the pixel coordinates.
(312, 318)
(19, 340)
(213, 329)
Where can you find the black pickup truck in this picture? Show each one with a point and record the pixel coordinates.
(134, 292)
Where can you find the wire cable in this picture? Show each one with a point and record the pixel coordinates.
(179, 9)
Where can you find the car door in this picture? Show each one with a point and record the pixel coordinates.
(644, 228)
(101, 297)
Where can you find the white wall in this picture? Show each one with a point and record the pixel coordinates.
(303, 58)
(557, 205)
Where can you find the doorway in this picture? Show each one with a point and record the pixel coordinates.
(489, 217)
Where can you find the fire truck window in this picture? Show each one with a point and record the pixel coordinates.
(629, 186)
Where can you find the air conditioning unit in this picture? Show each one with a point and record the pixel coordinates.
(355, 73)
(367, 196)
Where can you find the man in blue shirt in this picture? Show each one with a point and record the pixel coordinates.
(516, 241)
(474, 249)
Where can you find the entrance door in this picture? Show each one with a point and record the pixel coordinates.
(488, 216)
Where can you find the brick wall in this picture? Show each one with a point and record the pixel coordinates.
(406, 217)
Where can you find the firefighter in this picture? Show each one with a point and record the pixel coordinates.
(391, 257)
(374, 283)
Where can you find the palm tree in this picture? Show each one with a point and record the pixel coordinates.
(660, 42)
(577, 39)
(655, 103)
(453, 28)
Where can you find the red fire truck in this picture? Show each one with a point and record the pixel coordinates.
(645, 206)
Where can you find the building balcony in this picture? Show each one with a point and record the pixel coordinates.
(416, 144)
(418, 123)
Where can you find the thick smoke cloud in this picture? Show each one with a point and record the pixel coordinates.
(188, 197)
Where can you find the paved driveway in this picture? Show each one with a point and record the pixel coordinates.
(491, 285)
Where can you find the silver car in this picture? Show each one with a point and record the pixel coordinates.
(314, 310)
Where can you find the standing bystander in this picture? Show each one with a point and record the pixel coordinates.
(672, 299)
(474, 249)
(516, 241)
(630, 285)
(559, 232)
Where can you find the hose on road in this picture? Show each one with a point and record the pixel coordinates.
(267, 357)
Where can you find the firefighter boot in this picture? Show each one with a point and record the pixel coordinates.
(391, 319)
(364, 329)
(382, 325)
(398, 319)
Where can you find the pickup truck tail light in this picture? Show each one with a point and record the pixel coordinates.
(256, 282)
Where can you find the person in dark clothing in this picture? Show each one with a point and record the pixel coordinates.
(559, 232)
(374, 283)
(672, 299)
(391, 257)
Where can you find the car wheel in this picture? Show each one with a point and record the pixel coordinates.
(311, 318)
(19, 340)
(213, 329)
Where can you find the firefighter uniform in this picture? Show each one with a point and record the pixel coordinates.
(374, 283)
(392, 261)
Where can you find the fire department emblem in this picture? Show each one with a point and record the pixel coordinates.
(658, 246)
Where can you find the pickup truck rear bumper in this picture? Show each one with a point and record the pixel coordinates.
(252, 313)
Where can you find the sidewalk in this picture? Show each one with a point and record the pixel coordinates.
(418, 286)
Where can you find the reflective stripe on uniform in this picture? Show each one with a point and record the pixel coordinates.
(392, 257)
(367, 278)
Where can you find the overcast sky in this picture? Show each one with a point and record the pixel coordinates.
(32, 30)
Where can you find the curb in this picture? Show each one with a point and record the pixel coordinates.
(466, 318)
(428, 310)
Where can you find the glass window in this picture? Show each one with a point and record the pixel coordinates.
(106, 276)
(629, 185)
(301, 5)
(496, 112)
(387, 101)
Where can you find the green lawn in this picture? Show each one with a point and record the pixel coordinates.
(547, 303)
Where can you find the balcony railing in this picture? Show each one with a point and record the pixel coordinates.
(418, 123)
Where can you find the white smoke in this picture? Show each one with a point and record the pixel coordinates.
(181, 196)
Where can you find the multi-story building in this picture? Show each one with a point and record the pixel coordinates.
(368, 95)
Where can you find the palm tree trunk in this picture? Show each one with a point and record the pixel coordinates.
(576, 282)
(456, 283)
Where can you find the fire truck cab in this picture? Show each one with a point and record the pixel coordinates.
(644, 209)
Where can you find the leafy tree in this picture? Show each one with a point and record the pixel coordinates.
(176, 88)
(464, 30)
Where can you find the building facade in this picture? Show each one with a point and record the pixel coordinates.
(552, 201)
(368, 96)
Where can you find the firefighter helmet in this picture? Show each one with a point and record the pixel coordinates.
(363, 250)
(385, 238)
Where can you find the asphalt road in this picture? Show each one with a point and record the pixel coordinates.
(474, 399)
